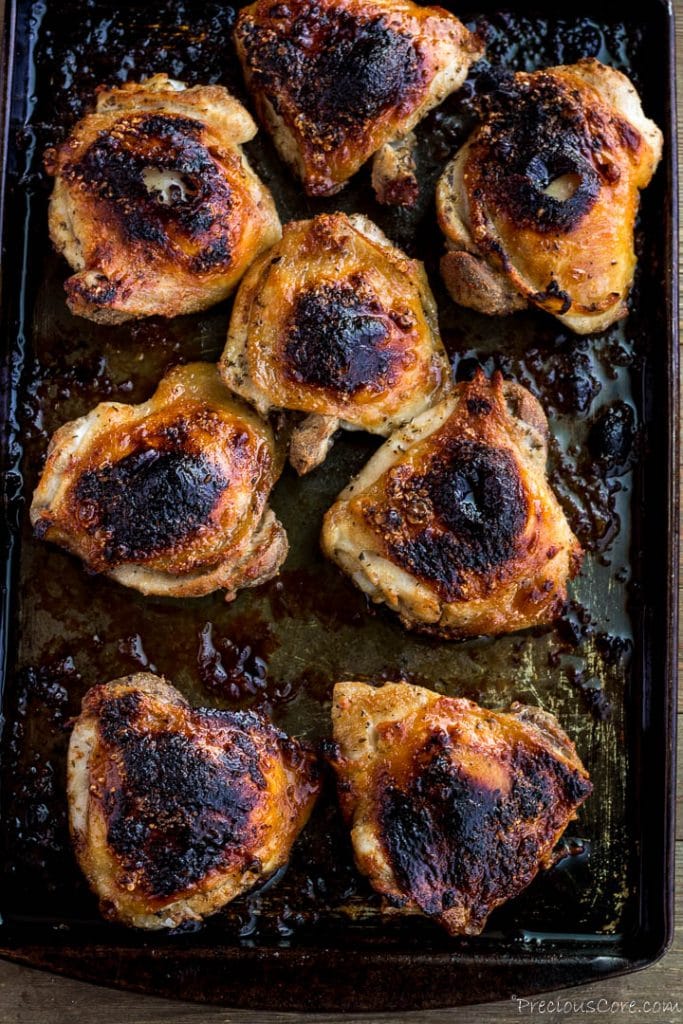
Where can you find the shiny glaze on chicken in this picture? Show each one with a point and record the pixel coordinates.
(175, 811)
(168, 497)
(337, 80)
(539, 205)
(452, 522)
(335, 322)
(453, 809)
(154, 204)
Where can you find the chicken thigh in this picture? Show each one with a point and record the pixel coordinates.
(168, 497)
(452, 522)
(336, 323)
(175, 811)
(453, 809)
(539, 205)
(154, 204)
(338, 80)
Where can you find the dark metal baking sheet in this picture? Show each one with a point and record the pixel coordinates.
(316, 938)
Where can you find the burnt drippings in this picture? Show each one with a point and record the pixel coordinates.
(230, 669)
(337, 340)
(196, 202)
(148, 502)
(611, 436)
(177, 812)
(87, 43)
(536, 131)
(462, 516)
(335, 68)
(454, 840)
(34, 790)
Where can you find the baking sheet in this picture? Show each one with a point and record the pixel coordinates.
(281, 647)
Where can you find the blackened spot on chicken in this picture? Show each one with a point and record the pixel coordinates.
(536, 131)
(140, 227)
(99, 289)
(148, 501)
(118, 716)
(177, 812)
(574, 786)
(479, 406)
(365, 73)
(476, 491)
(165, 126)
(114, 169)
(452, 839)
(478, 510)
(336, 340)
(211, 256)
(337, 69)
(553, 298)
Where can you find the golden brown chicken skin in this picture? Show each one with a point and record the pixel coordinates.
(335, 81)
(452, 523)
(453, 809)
(154, 203)
(175, 811)
(168, 497)
(335, 322)
(539, 205)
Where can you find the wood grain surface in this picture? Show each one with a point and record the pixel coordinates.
(34, 997)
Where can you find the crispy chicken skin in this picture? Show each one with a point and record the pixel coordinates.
(154, 204)
(539, 205)
(452, 522)
(175, 811)
(335, 81)
(453, 809)
(335, 322)
(168, 497)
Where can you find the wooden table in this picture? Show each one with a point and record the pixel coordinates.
(33, 997)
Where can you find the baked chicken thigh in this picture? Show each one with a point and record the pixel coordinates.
(539, 205)
(338, 80)
(453, 809)
(452, 522)
(336, 323)
(168, 497)
(154, 204)
(173, 811)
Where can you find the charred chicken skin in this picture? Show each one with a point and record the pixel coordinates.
(539, 205)
(175, 811)
(340, 80)
(452, 522)
(335, 322)
(168, 497)
(453, 809)
(154, 204)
